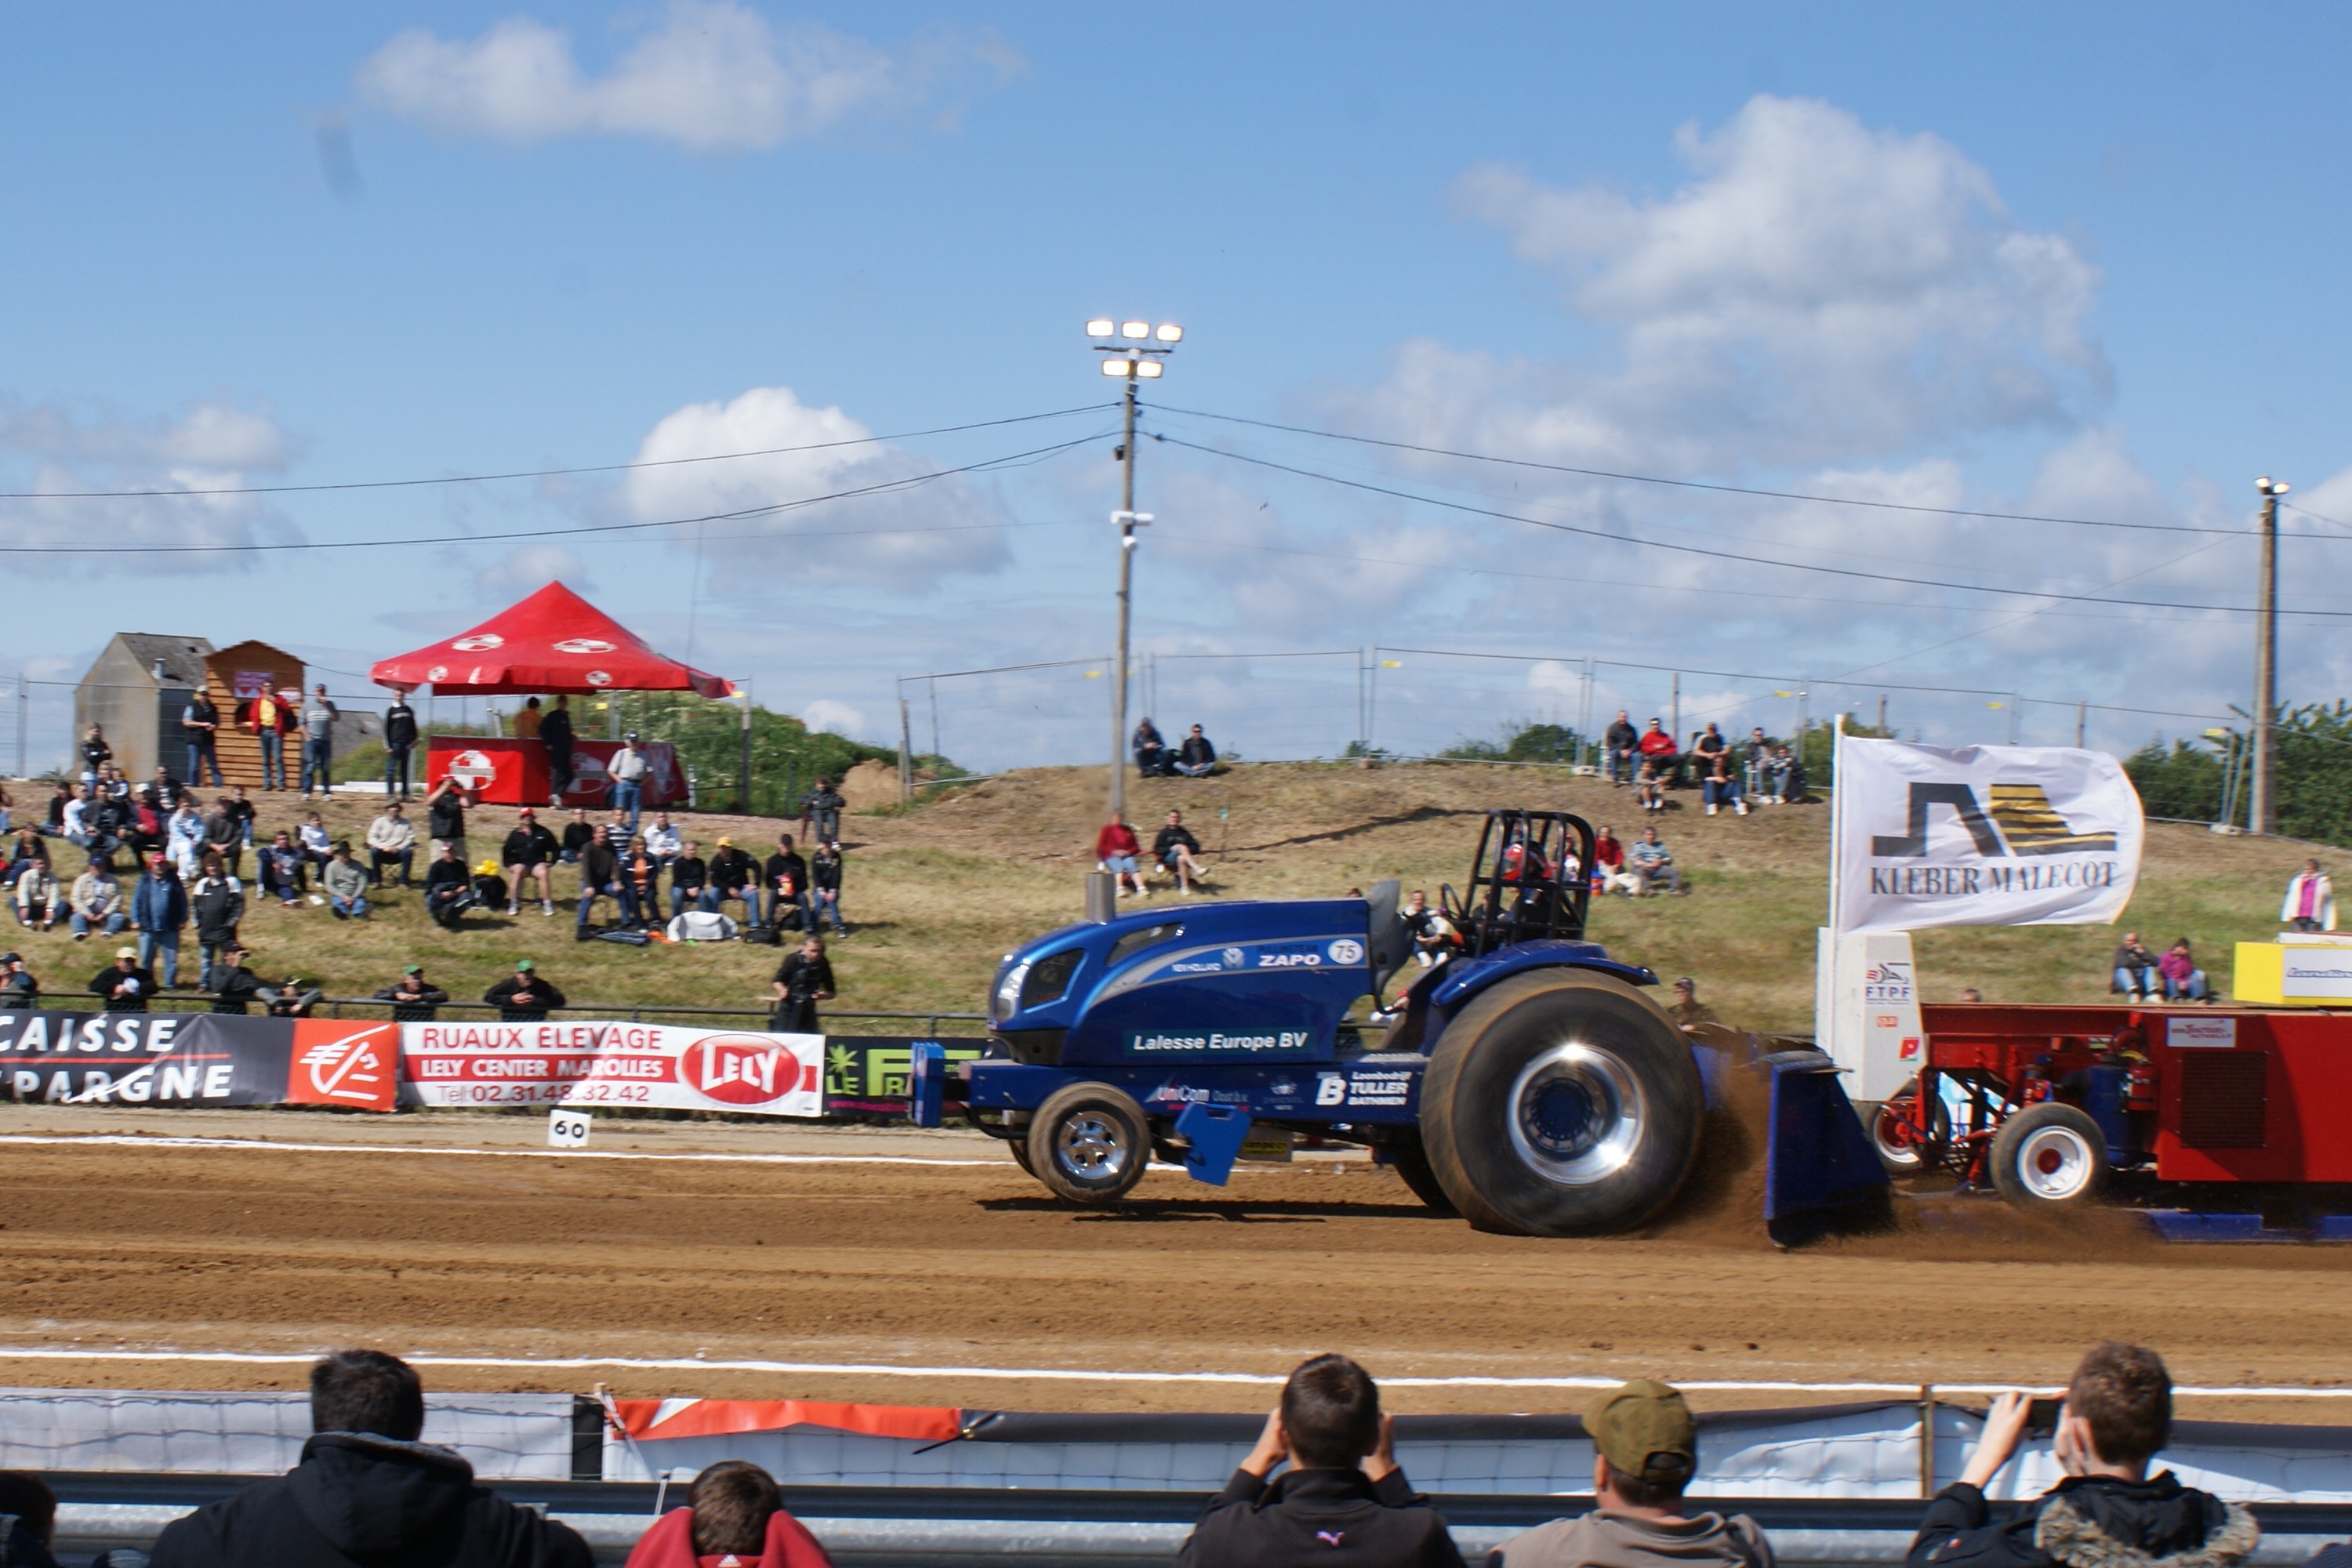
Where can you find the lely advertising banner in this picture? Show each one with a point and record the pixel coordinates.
(586, 1064)
(189, 1059)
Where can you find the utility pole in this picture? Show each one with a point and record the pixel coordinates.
(2262, 813)
(1140, 354)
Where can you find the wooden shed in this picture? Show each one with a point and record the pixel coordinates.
(233, 678)
(136, 690)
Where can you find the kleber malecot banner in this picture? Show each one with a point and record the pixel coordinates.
(183, 1059)
(1983, 835)
(585, 1063)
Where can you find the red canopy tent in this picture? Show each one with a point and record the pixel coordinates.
(552, 642)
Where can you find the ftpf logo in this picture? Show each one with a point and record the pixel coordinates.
(2021, 822)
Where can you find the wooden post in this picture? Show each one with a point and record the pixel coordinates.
(905, 754)
(1926, 1439)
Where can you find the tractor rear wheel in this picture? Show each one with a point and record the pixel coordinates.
(1412, 1165)
(1561, 1102)
(2049, 1156)
(1088, 1143)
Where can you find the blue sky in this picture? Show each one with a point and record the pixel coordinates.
(2073, 261)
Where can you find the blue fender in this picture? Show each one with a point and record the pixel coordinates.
(1463, 981)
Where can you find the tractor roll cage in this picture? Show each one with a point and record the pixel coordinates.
(1517, 893)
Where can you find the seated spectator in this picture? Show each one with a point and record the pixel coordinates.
(1116, 848)
(125, 986)
(1196, 759)
(39, 904)
(689, 881)
(368, 1489)
(233, 985)
(1433, 935)
(1619, 748)
(787, 881)
(733, 1514)
(529, 856)
(1721, 784)
(28, 851)
(390, 841)
(1688, 1011)
(52, 824)
(1645, 1451)
(1787, 777)
(824, 887)
(317, 846)
(2107, 1512)
(734, 875)
(1707, 745)
(641, 881)
(1659, 763)
(17, 989)
(294, 998)
(27, 1501)
(1152, 759)
(616, 833)
(283, 872)
(2138, 975)
(664, 843)
(2310, 903)
(600, 877)
(183, 838)
(225, 834)
(97, 903)
(1343, 1499)
(523, 997)
(347, 885)
(576, 835)
(1177, 852)
(1652, 865)
(2183, 980)
(448, 889)
(1759, 768)
(1609, 872)
(413, 1000)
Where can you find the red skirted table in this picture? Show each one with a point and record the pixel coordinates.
(502, 771)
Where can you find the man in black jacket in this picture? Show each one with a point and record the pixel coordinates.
(1196, 759)
(127, 985)
(600, 877)
(449, 888)
(1619, 744)
(234, 987)
(523, 997)
(368, 1491)
(530, 853)
(2107, 1512)
(413, 1000)
(555, 734)
(1343, 1502)
(689, 877)
(444, 816)
(787, 881)
(399, 738)
(17, 986)
(734, 875)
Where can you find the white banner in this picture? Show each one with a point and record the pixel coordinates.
(1983, 835)
(587, 1063)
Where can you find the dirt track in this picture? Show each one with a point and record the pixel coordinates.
(109, 1247)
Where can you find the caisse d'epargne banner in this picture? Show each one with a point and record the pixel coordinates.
(177, 1059)
(589, 1063)
(1982, 836)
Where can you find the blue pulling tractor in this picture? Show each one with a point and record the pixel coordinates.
(1528, 1081)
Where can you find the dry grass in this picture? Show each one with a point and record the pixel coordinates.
(936, 895)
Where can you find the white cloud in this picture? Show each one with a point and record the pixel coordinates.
(836, 718)
(713, 76)
(905, 536)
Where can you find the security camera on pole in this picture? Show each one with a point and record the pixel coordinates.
(1136, 356)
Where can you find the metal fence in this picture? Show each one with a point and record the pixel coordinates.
(634, 1013)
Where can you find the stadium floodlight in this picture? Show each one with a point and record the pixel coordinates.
(2271, 487)
(1148, 368)
(1138, 330)
(1117, 367)
(1170, 332)
(1100, 327)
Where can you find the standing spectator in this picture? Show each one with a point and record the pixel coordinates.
(733, 1513)
(555, 735)
(523, 997)
(413, 1000)
(97, 902)
(1195, 759)
(1618, 746)
(734, 875)
(217, 901)
(1609, 873)
(200, 725)
(368, 1491)
(1151, 758)
(2310, 903)
(2183, 980)
(1116, 851)
(159, 907)
(270, 718)
(529, 856)
(1645, 1451)
(39, 903)
(1652, 865)
(2107, 1512)
(224, 835)
(281, 872)
(347, 885)
(390, 841)
(234, 987)
(689, 881)
(18, 989)
(95, 753)
(641, 881)
(317, 742)
(576, 835)
(825, 885)
(526, 719)
(399, 740)
(445, 818)
(2137, 973)
(802, 980)
(821, 810)
(1688, 1011)
(183, 838)
(126, 985)
(448, 888)
(628, 768)
(663, 841)
(1177, 852)
(786, 878)
(317, 846)
(1343, 1499)
(600, 877)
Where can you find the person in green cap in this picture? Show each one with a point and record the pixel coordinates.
(413, 1000)
(523, 997)
(1645, 1452)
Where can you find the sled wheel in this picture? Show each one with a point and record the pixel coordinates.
(2049, 1156)
(1562, 1102)
(1411, 1163)
(1088, 1143)
(1894, 1133)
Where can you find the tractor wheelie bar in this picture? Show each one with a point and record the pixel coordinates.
(1529, 1082)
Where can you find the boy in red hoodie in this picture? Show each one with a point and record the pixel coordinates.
(734, 1518)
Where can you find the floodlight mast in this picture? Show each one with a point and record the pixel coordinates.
(1136, 356)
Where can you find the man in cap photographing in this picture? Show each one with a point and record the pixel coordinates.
(1645, 1452)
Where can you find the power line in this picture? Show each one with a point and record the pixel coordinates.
(1726, 554)
(1690, 484)
(537, 473)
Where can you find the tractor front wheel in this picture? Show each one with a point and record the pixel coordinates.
(1088, 1143)
(1561, 1102)
(2049, 1156)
